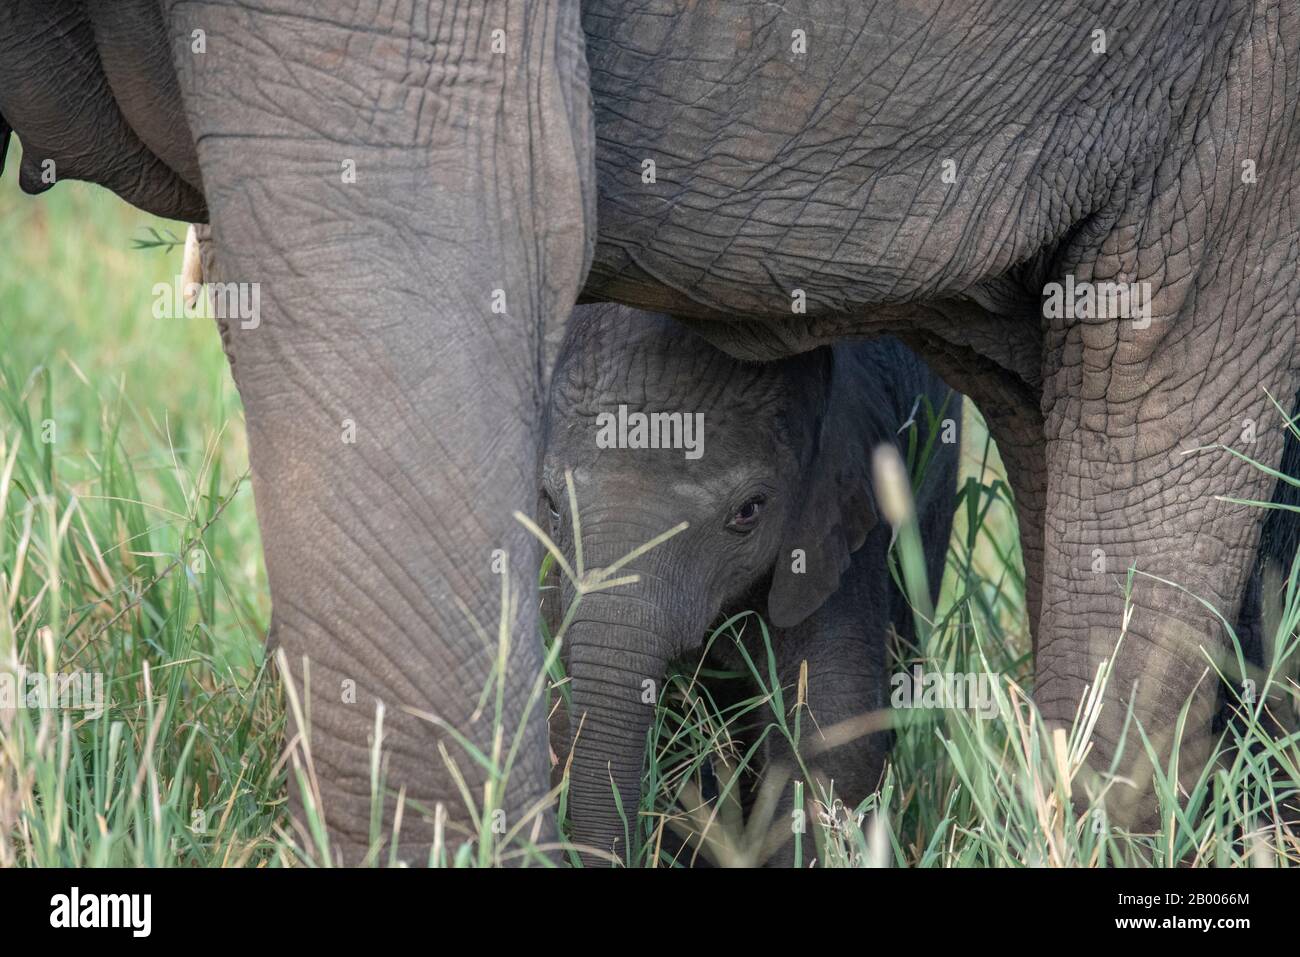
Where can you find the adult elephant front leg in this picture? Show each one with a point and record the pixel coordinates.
(405, 204)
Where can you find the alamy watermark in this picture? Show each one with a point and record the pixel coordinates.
(237, 301)
(72, 691)
(133, 912)
(935, 690)
(1098, 300)
(651, 430)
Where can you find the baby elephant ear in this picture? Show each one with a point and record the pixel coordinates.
(835, 517)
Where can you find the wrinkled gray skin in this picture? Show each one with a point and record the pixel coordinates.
(785, 465)
(481, 171)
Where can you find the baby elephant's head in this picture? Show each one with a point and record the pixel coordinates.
(659, 428)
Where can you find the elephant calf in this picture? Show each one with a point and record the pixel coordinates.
(770, 464)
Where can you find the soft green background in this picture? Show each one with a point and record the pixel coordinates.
(76, 303)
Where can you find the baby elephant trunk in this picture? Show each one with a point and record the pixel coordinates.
(616, 662)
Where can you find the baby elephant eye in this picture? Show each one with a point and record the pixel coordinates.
(745, 517)
(554, 512)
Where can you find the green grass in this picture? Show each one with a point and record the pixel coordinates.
(129, 547)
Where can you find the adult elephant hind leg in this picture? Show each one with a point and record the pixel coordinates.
(1181, 329)
(386, 341)
(1136, 497)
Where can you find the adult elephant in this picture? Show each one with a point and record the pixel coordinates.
(949, 173)
(417, 209)
(414, 187)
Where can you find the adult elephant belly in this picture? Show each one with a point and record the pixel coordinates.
(755, 158)
(1069, 228)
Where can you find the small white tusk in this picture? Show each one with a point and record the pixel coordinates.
(191, 268)
(893, 486)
